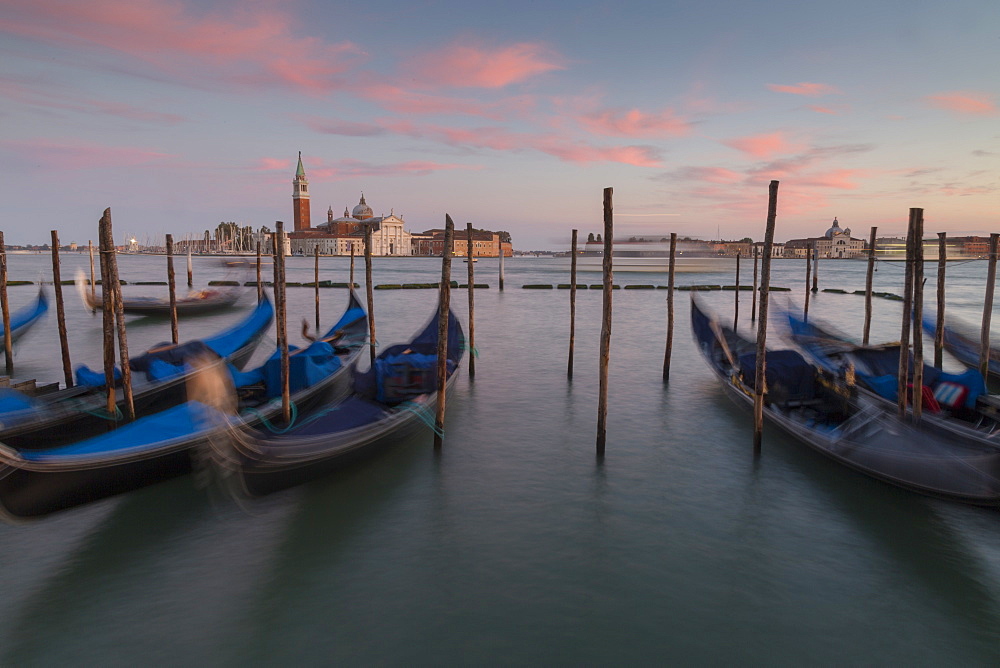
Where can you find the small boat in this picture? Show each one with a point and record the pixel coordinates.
(963, 342)
(654, 256)
(164, 445)
(953, 401)
(24, 319)
(159, 381)
(196, 302)
(810, 405)
(389, 401)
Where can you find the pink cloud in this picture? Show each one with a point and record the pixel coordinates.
(270, 164)
(807, 89)
(248, 45)
(967, 102)
(346, 169)
(471, 66)
(37, 96)
(402, 100)
(710, 174)
(74, 155)
(823, 110)
(762, 146)
(635, 123)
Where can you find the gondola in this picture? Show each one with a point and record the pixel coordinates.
(954, 401)
(390, 400)
(196, 302)
(964, 344)
(159, 381)
(810, 405)
(25, 318)
(37, 482)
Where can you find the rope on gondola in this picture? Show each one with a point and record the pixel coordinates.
(472, 350)
(270, 427)
(423, 413)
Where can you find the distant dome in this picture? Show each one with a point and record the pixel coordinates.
(834, 230)
(362, 210)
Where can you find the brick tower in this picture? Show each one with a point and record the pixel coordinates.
(300, 198)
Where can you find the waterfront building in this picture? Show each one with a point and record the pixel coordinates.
(485, 243)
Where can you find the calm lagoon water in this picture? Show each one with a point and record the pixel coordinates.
(514, 545)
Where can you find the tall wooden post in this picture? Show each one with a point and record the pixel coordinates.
(805, 307)
(93, 282)
(868, 286)
(281, 318)
(939, 324)
(984, 334)
(352, 265)
(736, 297)
(760, 386)
(753, 303)
(904, 337)
(114, 286)
(316, 284)
(172, 289)
(470, 258)
(260, 284)
(815, 252)
(918, 312)
(61, 311)
(501, 265)
(370, 290)
(605, 358)
(107, 325)
(190, 268)
(572, 305)
(670, 307)
(8, 349)
(444, 315)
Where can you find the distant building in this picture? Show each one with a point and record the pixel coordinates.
(484, 243)
(835, 243)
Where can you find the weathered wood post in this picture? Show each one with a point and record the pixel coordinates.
(753, 304)
(444, 315)
(868, 286)
(501, 265)
(805, 307)
(670, 307)
(8, 349)
(572, 305)
(984, 334)
(760, 384)
(605, 352)
(93, 282)
(280, 317)
(918, 313)
(939, 325)
(190, 267)
(370, 290)
(60, 311)
(316, 284)
(260, 284)
(115, 290)
(736, 297)
(471, 260)
(107, 327)
(172, 289)
(815, 252)
(904, 337)
(352, 266)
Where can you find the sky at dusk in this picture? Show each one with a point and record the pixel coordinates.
(513, 116)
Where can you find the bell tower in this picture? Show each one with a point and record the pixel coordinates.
(300, 198)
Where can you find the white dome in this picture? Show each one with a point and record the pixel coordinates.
(362, 210)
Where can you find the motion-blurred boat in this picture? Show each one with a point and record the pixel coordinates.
(196, 302)
(644, 255)
(25, 318)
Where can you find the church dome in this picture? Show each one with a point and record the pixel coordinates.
(835, 229)
(362, 210)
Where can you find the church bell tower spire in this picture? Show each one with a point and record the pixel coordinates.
(300, 198)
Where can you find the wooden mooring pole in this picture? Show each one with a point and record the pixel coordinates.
(260, 284)
(61, 311)
(471, 260)
(444, 315)
(8, 350)
(172, 289)
(760, 384)
(753, 303)
(939, 322)
(869, 276)
(736, 297)
(369, 288)
(670, 307)
(280, 318)
(605, 351)
(918, 313)
(572, 305)
(93, 282)
(190, 268)
(815, 252)
(316, 284)
(351, 285)
(984, 334)
(115, 289)
(902, 382)
(805, 307)
(501, 266)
